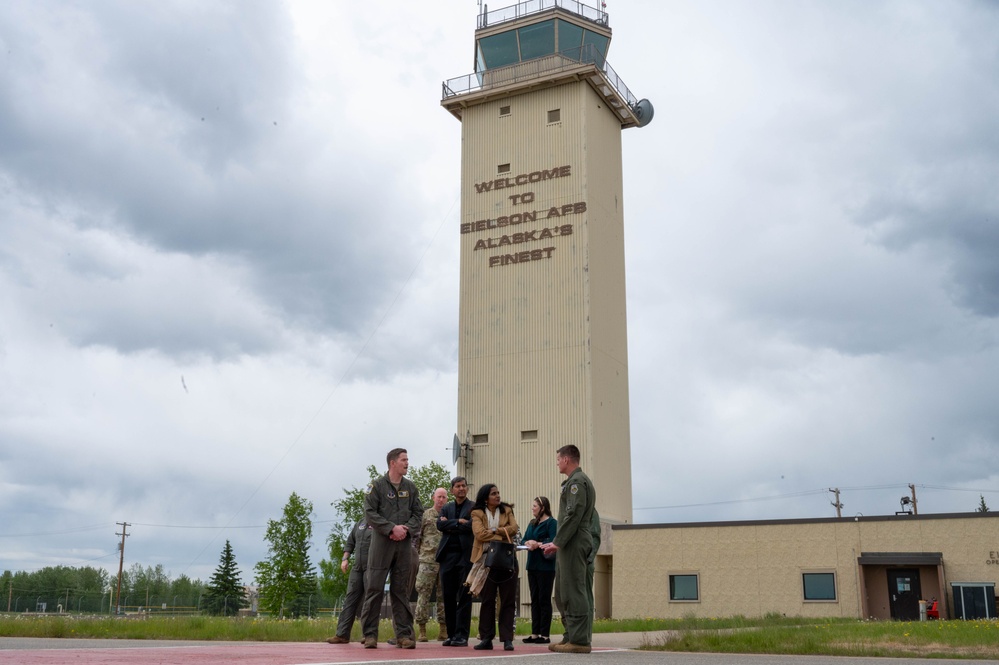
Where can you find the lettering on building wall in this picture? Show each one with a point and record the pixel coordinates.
(555, 212)
(523, 179)
(526, 236)
(520, 257)
(993, 559)
(552, 215)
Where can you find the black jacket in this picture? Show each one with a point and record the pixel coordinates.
(448, 555)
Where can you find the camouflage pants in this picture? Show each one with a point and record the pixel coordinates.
(427, 580)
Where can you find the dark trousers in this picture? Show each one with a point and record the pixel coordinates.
(540, 582)
(506, 586)
(351, 602)
(457, 602)
(384, 558)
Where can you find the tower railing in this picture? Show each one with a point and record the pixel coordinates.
(536, 68)
(521, 9)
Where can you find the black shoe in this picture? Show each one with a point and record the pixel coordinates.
(447, 642)
(508, 646)
(542, 640)
(459, 642)
(484, 645)
(530, 640)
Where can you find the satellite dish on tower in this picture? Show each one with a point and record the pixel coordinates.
(643, 111)
(456, 450)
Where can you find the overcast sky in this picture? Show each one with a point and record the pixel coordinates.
(229, 262)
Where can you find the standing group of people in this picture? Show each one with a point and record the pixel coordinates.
(454, 539)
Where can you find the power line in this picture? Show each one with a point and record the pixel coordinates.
(730, 501)
(817, 491)
(78, 529)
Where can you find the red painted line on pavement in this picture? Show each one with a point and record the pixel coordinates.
(251, 653)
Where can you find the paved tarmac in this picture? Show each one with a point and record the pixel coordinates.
(609, 649)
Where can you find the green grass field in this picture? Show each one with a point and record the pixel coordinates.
(765, 635)
(894, 639)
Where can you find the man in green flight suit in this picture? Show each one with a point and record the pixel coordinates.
(393, 510)
(574, 544)
(357, 543)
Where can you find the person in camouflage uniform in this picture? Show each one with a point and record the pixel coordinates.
(428, 578)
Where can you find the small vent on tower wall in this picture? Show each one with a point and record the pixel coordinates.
(504, 110)
(503, 168)
(554, 115)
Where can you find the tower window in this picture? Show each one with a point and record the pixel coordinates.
(504, 110)
(555, 115)
(529, 435)
(503, 168)
(480, 438)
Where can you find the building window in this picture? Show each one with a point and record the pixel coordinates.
(480, 438)
(503, 168)
(683, 587)
(555, 115)
(504, 110)
(529, 435)
(819, 586)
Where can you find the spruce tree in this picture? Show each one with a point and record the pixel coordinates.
(225, 594)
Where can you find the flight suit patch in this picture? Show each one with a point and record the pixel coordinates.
(574, 489)
(403, 494)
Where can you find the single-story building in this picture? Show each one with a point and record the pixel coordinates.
(866, 567)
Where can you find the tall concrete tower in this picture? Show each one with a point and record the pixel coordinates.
(543, 348)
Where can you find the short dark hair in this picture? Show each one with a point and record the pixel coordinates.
(570, 451)
(393, 455)
(458, 479)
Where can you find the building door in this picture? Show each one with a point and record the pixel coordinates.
(904, 592)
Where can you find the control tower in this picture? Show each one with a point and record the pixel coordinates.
(543, 347)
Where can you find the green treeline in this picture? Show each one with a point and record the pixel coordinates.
(89, 589)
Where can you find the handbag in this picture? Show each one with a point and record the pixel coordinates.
(500, 556)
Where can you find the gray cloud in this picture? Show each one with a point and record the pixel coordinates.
(176, 137)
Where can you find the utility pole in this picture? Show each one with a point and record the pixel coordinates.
(10, 593)
(836, 504)
(121, 562)
(912, 488)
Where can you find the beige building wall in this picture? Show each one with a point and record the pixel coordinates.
(543, 341)
(754, 568)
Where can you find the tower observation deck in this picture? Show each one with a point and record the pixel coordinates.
(543, 43)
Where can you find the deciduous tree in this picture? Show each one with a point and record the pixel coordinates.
(287, 579)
